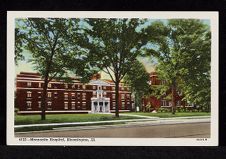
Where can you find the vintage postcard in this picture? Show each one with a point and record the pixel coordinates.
(112, 78)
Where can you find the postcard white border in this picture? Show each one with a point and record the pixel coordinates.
(212, 16)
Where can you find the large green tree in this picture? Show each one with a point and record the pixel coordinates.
(183, 55)
(114, 47)
(138, 79)
(46, 39)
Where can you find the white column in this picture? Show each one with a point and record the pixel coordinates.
(91, 106)
(98, 107)
(103, 108)
(108, 107)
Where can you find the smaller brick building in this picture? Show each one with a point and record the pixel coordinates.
(66, 97)
(157, 103)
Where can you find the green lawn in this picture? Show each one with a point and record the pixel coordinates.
(64, 118)
(169, 115)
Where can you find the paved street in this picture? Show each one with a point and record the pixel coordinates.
(173, 130)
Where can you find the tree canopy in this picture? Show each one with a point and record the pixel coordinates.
(183, 55)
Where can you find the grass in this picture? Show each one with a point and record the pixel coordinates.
(169, 114)
(65, 118)
(40, 128)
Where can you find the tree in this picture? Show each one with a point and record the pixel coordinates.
(114, 47)
(184, 60)
(47, 41)
(138, 80)
(19, 36)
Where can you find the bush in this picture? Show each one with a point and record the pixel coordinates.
(16, 111)
(163, 110)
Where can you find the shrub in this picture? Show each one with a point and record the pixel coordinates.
(16, 111)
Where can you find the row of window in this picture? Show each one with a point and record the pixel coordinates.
(66, 104)
(166, 103)
(79, 86)
(49, 95)
(49, 104)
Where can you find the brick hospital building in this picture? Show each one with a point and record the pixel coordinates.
(67, 97)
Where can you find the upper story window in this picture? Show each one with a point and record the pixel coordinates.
(83, 86)
(113, 88)
(78, 95)
(29, 94)
(66, 86)
(73, 86)
(49, 85)
(29, 84)
(39, 84)
(128, 96)
(104, 87)
(73, 96)
(122, 96)
(113, 96)
(83, 96)
(49, 94)
(65, 96)
(94, 87)
(122, 88)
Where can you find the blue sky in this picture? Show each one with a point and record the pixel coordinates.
(148, 62)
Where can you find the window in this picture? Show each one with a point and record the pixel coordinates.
(65, 96)
(49, 104)
(122, 88)
(49, 85)
(65, 105)
(49, 94)
(165, 103)
(105, 94)
(128, 96)
(83, 105)
(66, 86)
(113, 96)
(39, 84)
(104, 87)
(113, 105)
(28, 94)
(84, 96)
(94, 93)
(55, 93)
(113, 88)
(39, 104)
(72, 105)
(28, 104)
(29, 84)
(94, 87)
(39, 94)
(83, 86)
(123, 105)
(122, 96)
(78, 95)
(73, 96)
(73, 86)
(178, 103)
(128, 103)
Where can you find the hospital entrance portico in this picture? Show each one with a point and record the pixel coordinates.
(99, 103)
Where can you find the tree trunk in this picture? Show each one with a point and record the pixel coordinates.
(43, 104)
(173, 97)
(117, 98)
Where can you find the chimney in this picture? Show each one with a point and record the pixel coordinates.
(96, 76)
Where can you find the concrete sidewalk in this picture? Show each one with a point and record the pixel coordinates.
(146, 118)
